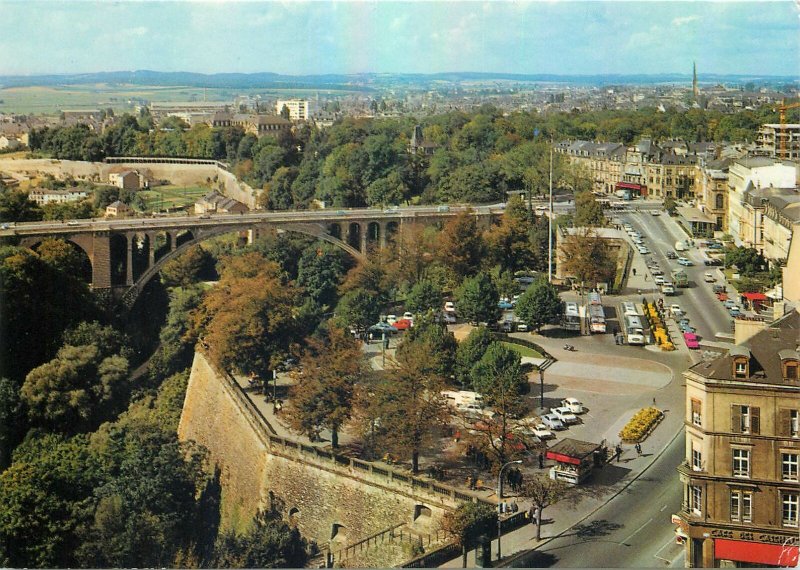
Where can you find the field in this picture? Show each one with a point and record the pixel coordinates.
(120, 97)
(172, 197)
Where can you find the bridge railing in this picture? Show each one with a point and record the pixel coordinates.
(411, 485)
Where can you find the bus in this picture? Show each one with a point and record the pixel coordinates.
(634, 332)
(597, 319)
(571, 320)
(594, 298)
(629, 309)
(680, 279)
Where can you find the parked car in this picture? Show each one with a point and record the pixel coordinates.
(715, 245)
(718, 288)
(565, 415)
(686, 328)
(403, 324)
(552, 421)
(671, 255)
(675, 310)
(659, 279)
(449, 318)
(508, 326)
(408, 315)
(574, 405)
(505, 305)
(685, 261)
(735, 311)
(656, 271)
(691, 340)
(644, 251)
(655, 213)
(712, 262)
(539, 430)
(709, 278)
(522, 327)
(450, 307)
(729, 303)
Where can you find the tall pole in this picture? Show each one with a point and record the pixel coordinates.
(550, 224)
(500, 503)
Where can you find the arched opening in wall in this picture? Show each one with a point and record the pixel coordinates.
(421, 512)
(391, 230)
(373, 232)
(720, 202)
(354, 236)
(339, 533)
(163, 244)
(182, 237)
(141, 254)
(335, 230)
(67, 256)
(118, 246)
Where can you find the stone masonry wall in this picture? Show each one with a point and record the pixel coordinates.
(316, 496)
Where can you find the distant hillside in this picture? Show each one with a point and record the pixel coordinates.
(361, 81)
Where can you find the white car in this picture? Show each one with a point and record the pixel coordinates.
(675, 310)
(408, 315)
(657, 272)
(391, 319)
(565, 415)
(659, 280)
(541, 431)
(522, 327)
(552, 421)
(709, 278)
(574, 405)
(450, 307)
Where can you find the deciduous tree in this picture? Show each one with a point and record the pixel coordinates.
(468, 523)
(539, 304)
(587, 257)
(543, 492)
(477, 299)
(424, 296)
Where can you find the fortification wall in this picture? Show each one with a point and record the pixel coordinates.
(332, 500)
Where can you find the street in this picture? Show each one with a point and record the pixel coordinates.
(698, 301)
(631, 530)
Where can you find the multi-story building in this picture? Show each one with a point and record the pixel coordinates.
(603, 161)
(746, 176)
(781, 219)
(299, 109)
(769, 138)
(713, 191)
(740, 475)
(44, 196)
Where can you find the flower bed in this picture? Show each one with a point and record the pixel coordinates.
(640, 425)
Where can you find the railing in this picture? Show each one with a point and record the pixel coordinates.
(435, 558)
(520, 341)
(334, 462)
(379, 537)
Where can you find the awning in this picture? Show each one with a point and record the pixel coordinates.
(561, 458)
(757, 552)
(629, 185)
(754, 296)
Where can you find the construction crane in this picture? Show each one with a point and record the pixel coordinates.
(783, 133)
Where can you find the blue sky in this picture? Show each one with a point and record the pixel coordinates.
(349, 37)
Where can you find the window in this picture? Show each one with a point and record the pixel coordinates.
(696, 500)
(741, 462)
(789, 510)
(789, 423)
(697, 418)
(719, 202)
(745, 419)
(740, 369)
(790, 370)
(697, 459)
(789, 466)
(741, 506)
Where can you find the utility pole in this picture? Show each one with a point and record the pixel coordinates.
(550, 224)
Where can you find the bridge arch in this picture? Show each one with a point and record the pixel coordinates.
(188, 238)
(84, 259)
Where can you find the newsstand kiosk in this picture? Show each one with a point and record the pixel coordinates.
(574, 460)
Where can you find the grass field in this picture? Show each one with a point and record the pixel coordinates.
(523, 350)
(171, 197)
(51, 100)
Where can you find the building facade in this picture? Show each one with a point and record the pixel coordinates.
(299, 109)
(769, 138)
(740, 473)
(43, 196)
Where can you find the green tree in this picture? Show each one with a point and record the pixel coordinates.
(359, 309)
(587, 258)
(747, 260)
(424, 296)
(544, 492)
(670, 204)
(539, 305)
(509, 243)
(588, 211)
(12, 419)
(178, 335)
(324, 394)
(15, 207)
(468, 523)
(431, 335)
(461, 247)
(74, 390)
(320, 269)
(469, 352)
(499, 378)
(477, 299)
(186, 269)
(269, 543)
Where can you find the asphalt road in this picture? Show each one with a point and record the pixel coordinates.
(633, 530)
(698, 301)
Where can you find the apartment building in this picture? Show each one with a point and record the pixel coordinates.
(740, 474)
(781, 219)
(43, 196)
(769, 138)
(749, 180)
(712, 192)
(299, 109)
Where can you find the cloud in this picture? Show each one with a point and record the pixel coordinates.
(683, 20)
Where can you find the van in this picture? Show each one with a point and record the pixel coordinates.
(680, 246)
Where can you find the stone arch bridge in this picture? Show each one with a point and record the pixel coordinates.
(126, 253)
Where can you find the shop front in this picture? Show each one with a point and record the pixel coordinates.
(726, 548)
(574, 460)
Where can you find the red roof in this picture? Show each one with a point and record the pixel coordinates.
(755, 296)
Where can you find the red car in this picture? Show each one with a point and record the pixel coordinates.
(691, 340)
(402, 324)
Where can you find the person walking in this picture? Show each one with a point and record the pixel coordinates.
(638, 448)
(541, 460)
(619, 452)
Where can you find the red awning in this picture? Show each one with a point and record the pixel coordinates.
(757, 552)
(755, 296)
(563, 458)
(629, 185)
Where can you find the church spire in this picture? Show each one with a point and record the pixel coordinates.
(695, 89)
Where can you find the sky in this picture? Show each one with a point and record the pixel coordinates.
(297, 38)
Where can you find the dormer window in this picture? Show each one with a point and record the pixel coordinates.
(741, 362)
(740, 368)
(790, 364)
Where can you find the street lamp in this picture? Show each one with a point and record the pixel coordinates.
(500, 502)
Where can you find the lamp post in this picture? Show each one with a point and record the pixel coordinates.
(500, 502)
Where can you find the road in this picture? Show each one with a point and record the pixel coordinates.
(633, 530)
(698, 301)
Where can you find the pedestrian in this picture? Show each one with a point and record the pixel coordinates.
(634, 272)
(638, 448)
(654, 401)
(646, 276)
(541, 461)
(619, 452)
(535, 517)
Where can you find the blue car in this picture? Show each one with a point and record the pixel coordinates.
(715, 246)
(505, 305)
(686, 328)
